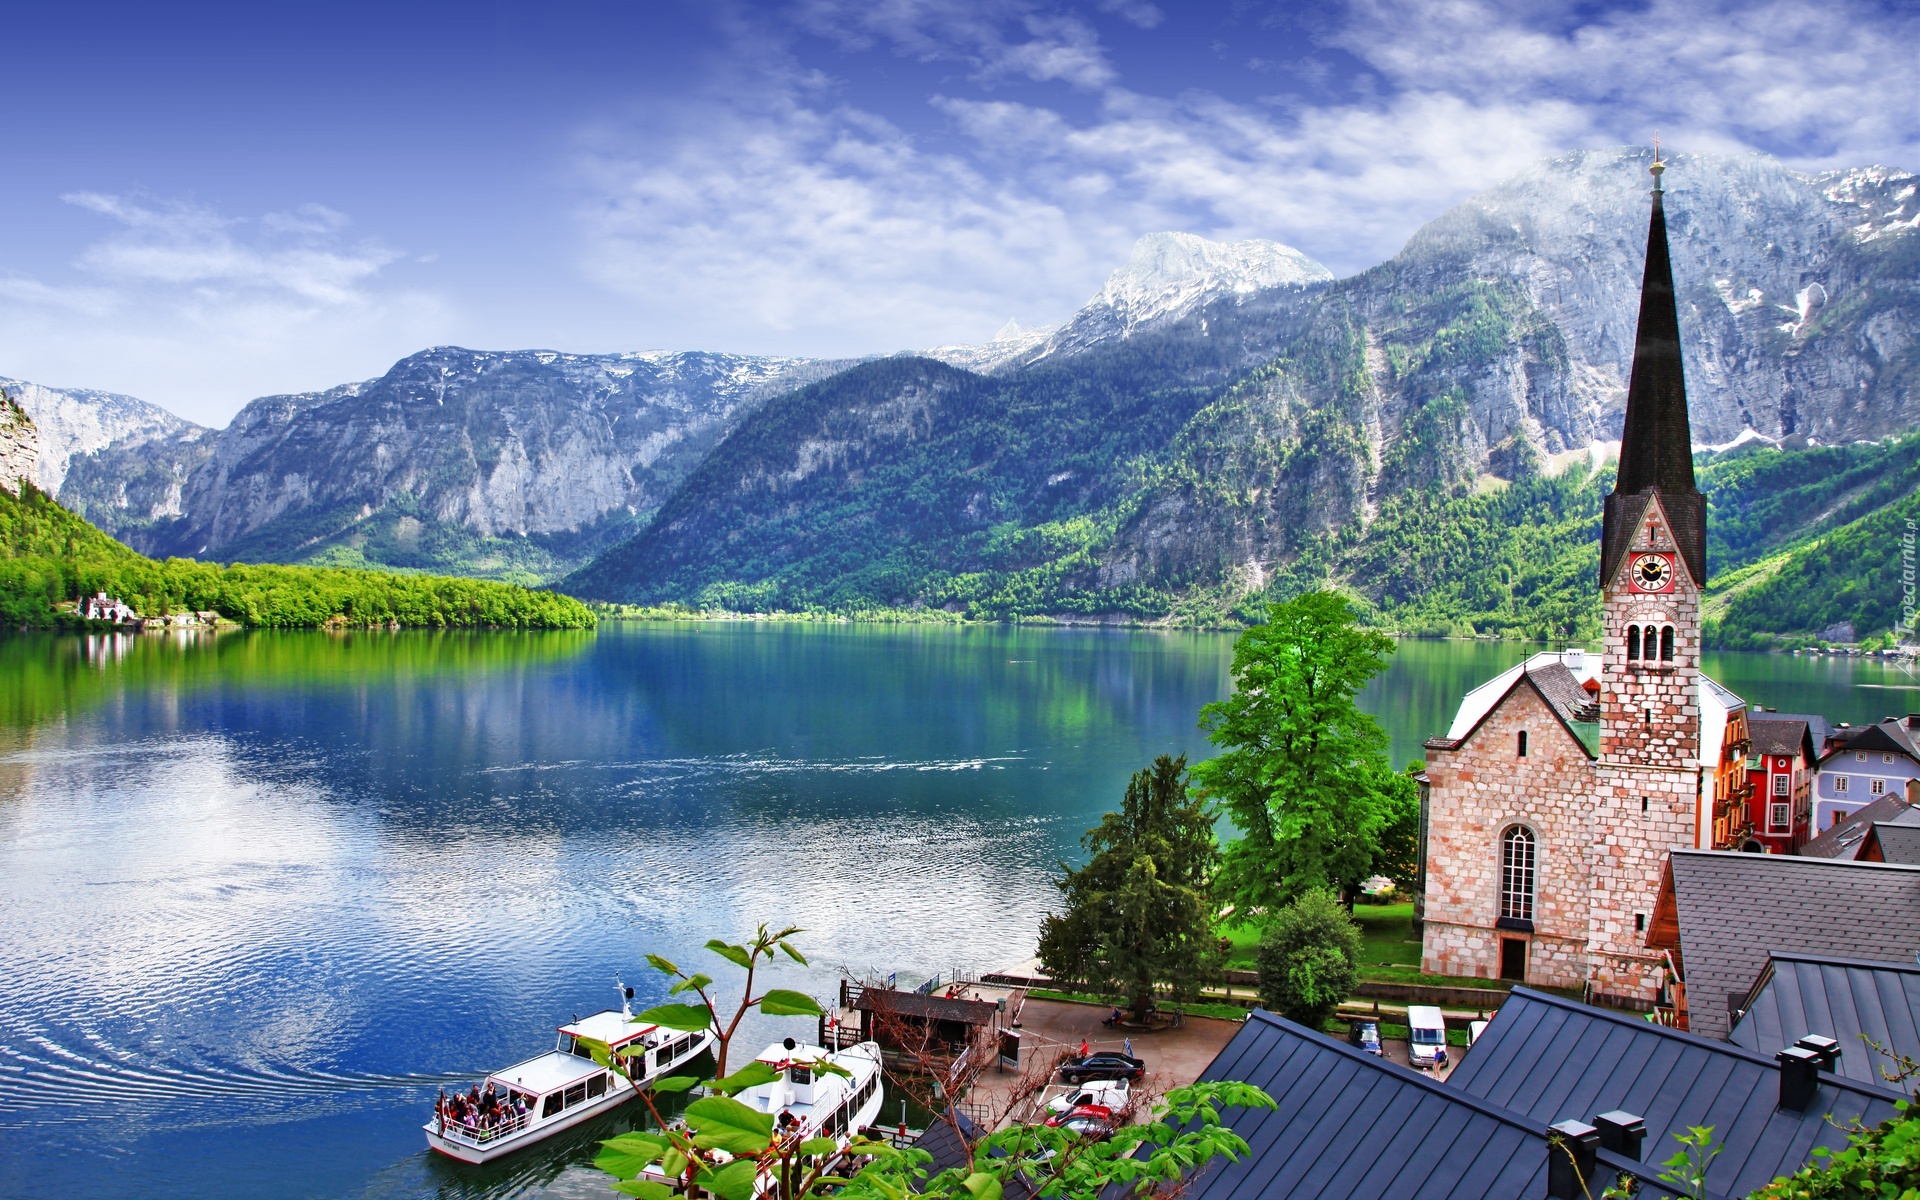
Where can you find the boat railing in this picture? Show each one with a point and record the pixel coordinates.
(472, 1135)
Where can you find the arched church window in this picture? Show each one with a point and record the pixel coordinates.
(1633, 641)
(1523, 743)
(1516, 873)
(1666, 644)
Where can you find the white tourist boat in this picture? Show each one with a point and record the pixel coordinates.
(806, 1102)
(563, 1087)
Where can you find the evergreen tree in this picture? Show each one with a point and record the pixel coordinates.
(1307, 958)
(1139, 914)
(1305, 776)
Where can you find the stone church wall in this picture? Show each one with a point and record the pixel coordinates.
(1478, 791)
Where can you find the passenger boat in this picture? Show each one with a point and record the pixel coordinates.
(563, 1087)
(806, 1102)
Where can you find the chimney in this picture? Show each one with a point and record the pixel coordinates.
(1827, 1048)
(1572, 1148)
(1575, 658)
(1799, 1077)
(1622, 1133)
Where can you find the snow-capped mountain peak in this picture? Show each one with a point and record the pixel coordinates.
(1169, 274)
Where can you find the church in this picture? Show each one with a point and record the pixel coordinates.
(1554, 798)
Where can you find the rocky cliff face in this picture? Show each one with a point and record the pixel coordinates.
(497, 444)
(74, 422)
(19, 445)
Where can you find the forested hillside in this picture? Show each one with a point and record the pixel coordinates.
(49, 556)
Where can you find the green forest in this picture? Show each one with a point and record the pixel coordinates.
(49, 558)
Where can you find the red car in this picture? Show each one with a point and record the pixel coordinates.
(1087, 1120)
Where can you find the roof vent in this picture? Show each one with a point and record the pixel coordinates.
(1827, 1048)
(1621, 1133)
(1572, 1158)
(1799, 1077)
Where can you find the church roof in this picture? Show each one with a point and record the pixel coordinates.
(1558, 675)
(1656, 442)
(1810, 905)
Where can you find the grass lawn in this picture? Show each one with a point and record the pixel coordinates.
(1386, 938)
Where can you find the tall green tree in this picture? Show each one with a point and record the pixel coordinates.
(1304, 772)
(1139, 915)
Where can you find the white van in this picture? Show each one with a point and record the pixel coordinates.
(1426, 1036)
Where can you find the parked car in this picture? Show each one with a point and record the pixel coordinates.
(1474, 1030)
(1426, 1036)
(1366, 1035)
(1088, 1120)
(1114, 1094)
(1102, 1066)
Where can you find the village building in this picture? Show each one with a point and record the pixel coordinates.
(1562, 786)
(1780, 772)
(1862, 765)
(102, 607)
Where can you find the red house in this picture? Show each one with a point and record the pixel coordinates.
(1780, 767)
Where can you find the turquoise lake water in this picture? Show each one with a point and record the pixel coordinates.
(261, 896)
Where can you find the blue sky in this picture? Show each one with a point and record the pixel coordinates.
(205, 204)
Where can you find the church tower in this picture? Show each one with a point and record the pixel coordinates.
(1653, 563)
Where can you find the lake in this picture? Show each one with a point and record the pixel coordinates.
(261, 895)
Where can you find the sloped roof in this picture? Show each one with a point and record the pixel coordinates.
(1734, 909)
(1352, 1126)
(1553, 1059)
(1841, 998)
(913, 1004)
(1845, 838)
(1899, 841)
(1476, 704)
(1772, 734)
(1891, 734)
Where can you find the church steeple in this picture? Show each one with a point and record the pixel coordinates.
(1656, 444)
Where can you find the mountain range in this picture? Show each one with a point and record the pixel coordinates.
(1221, 419)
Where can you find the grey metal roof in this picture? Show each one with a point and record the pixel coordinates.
(1841, 998)
(1554, 1059)
(1352, 1126)
(1844, 839)
(1734, 909)
(1899, 841)
(1770, 734)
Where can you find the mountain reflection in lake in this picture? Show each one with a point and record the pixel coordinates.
(260, 896)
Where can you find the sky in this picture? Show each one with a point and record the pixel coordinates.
(204, 204)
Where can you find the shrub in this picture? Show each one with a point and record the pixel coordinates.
(1306, 958)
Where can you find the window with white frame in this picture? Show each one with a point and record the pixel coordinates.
(1840, 783)
(1877, 787)
(1778, 818)
(1516, 873)
(1781, 783)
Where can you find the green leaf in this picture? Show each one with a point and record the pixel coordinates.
(819, 1146)
(793, 954)
(597, 1049)
(779, 1002)
(662, 965)
(629, 1154)
(733, 1181)
(673, 1164)
(687, 1017)
(723, 1123)
(753, 1074)
(737, 955)
(691, 984)
(675, 1083)
(646, 1189)
(982, 1185)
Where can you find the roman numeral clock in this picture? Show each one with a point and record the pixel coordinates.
(1650, 574)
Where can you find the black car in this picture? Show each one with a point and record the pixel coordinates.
(1102, 1066)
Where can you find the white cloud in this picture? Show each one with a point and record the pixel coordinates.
(201, 311)
(783, 212)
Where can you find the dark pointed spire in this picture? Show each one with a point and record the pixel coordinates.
(1656, 443)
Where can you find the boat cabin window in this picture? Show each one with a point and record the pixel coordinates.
(800, 1075)
(576, 1094)
(597, 1086)
(566, 1043)
(551, 1106)
(835, 1122)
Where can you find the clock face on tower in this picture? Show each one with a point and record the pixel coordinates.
(1650, 573)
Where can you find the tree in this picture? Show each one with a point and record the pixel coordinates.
(1140, 913)
(1304, 775)
(1307, 957)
